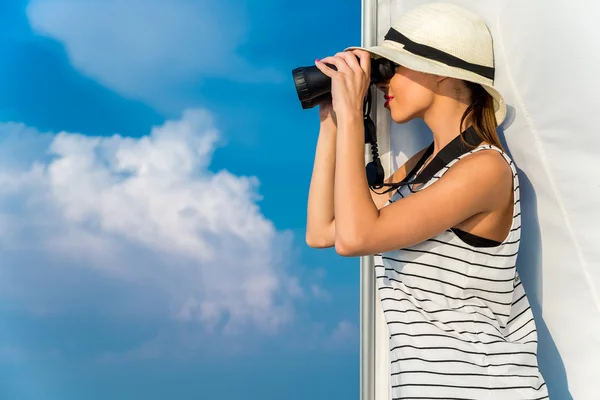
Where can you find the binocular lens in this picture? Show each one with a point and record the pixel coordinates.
(313, 86)
(311, 82)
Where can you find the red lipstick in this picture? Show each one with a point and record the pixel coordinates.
(388, 99)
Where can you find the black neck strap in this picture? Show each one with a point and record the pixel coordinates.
(438, 55)
(451, 151)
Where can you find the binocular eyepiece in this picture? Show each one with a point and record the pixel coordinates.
(313, 86)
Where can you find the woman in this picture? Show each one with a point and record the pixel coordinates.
(446, 246)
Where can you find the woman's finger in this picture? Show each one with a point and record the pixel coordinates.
(339, 63)
(325, 69)
(351, 60)
(365, 60)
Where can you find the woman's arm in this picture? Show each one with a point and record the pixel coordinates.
(320, 227)
(319, 221)
(476, 184)
(479, 183)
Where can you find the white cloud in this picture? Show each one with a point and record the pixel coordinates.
(146, 49)
(146, 212)
(343, 336)
(319, 293)
(185, 342)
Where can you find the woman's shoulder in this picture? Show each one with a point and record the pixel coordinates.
(487, 157)
(484, 166)
(490, 154)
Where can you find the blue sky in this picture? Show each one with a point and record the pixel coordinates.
(154, 168)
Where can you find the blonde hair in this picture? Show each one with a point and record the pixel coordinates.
(483, 115)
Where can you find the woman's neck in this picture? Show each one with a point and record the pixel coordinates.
(443, 118)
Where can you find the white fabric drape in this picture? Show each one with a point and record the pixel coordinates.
(547, 60)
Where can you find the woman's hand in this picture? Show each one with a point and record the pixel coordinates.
(349, 84)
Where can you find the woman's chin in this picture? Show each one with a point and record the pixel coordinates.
(401, 119)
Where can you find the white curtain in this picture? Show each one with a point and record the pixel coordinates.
(548, 69)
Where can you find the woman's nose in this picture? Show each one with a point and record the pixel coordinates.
(383, 87)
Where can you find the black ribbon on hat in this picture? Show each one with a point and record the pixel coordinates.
(438, 55)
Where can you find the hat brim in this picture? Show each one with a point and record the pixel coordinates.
(397, 54)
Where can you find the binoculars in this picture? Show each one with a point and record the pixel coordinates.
(313, 86)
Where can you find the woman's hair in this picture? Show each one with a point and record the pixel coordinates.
(483, 115)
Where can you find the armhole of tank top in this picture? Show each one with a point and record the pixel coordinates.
(516, 200)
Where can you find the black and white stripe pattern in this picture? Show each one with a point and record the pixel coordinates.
(460, 323)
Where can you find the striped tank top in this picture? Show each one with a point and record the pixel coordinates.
(459, 320)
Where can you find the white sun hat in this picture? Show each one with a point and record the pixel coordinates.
(443, 39)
